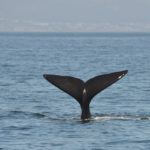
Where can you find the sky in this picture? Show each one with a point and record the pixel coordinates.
(74, 15)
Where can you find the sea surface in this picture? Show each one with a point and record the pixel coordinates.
(35, 115)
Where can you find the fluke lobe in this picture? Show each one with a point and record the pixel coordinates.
(83, 92)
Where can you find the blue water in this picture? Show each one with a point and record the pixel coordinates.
(36, 115)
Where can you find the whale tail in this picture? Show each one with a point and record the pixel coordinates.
(77, 88)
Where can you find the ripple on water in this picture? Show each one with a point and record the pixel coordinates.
(129, 141)
(26, 114)
(27, 123)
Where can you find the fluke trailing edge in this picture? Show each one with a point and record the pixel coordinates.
(83, 92)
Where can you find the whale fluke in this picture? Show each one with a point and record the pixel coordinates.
(83, 92)
(99, 83)
(72, 86)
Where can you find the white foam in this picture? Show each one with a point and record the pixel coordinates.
(109, 117)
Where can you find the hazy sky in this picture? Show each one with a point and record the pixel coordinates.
(74, 15)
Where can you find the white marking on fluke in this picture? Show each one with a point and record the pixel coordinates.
(84, 91)
(120, 76)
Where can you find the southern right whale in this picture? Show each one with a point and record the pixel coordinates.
(83, 92)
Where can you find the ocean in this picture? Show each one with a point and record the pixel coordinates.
(36, 115)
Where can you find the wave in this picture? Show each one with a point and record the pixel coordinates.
(96, 117)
